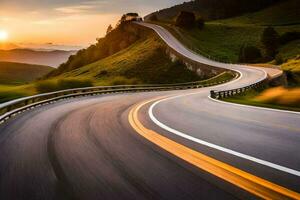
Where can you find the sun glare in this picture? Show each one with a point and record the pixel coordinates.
(3, 35)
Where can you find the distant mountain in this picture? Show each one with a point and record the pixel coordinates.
(49, 47)
(51, 58)
(213, 9)
(20, 73)
(8, 46)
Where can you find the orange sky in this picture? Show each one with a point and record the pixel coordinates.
(75, 29)
(69, 22)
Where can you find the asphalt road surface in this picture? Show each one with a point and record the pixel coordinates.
(85, 148)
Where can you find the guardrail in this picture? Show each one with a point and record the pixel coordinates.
(229, 93)
(11, 108)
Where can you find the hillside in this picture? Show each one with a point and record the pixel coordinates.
(20, 73)
(282, 14)
(213, 9)
(49, 58)
(143, 62)
(130, 54)
(222, 39)
(118, 39)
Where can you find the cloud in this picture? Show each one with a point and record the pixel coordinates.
(75, 9)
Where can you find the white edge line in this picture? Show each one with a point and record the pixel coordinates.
(214, 146)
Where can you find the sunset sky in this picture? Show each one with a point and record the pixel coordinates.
(69, 22)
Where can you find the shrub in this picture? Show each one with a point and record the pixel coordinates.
(185, 20)
(63, 84)
(279, 60)
(102, 73)
(200, 23)
(46, 86)
(73, 83)
(120, 80)
(153, 17)
(270, 41)
(288, 37)
(249, 54)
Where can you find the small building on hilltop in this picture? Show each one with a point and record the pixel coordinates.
(131, 17)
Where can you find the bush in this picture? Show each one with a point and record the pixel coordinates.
(120, 80)
(153, 18)
(279, 60)
(200, 23)
(185, 20)
(250, 54)
(288, 37)
(46, 86)
(270, 41)
(73, 83)
(63, 84)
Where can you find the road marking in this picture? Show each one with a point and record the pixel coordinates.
(214, 146)
(253, 184)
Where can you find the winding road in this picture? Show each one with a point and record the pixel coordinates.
(153, 145)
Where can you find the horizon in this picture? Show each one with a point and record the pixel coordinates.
(66, 22)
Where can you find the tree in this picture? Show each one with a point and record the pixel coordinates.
(186, 20)
(249, 54)
(109, 29)
(200, 22)
(153, 18)
(270, 41)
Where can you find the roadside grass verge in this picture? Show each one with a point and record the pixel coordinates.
(10, 95)
(276, 98)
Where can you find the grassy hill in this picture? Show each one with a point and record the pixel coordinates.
(222, 39)
(213, 9)
(282, 14)
(142, 59)
(20, 73)
(143, 62)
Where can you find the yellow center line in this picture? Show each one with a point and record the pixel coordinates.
(253, 184)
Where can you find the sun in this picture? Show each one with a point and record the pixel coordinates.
(3, 35)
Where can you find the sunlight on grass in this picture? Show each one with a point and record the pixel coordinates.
(281, 96)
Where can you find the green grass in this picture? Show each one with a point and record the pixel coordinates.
(10, 92)
(290, 50)
(222, 39)
(281, 14)
(21, 73)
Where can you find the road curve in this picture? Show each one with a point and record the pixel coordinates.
(85, 148)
